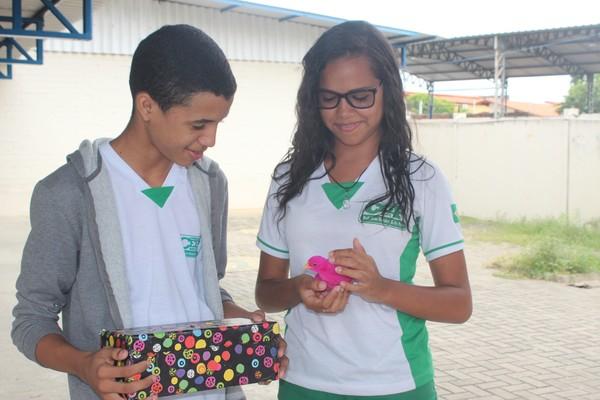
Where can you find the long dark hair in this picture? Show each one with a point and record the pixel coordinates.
(313, 142)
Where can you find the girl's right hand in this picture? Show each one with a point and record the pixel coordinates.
(99, 371)
(316, 297)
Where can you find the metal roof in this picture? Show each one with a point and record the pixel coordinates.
(24, 24)
(301, 17)
(562, 51)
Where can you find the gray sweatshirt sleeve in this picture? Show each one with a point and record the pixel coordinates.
(219, 209)
(48, 270)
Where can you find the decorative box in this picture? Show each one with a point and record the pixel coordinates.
(199, 356)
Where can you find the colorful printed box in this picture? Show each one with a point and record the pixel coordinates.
(200, 356)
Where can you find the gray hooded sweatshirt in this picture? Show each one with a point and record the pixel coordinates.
(73, 261)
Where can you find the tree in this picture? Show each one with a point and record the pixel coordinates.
(577, 96)
(439, 106)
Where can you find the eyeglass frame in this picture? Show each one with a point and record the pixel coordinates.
(346, 95)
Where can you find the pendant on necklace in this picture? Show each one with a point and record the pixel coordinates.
(346, 204)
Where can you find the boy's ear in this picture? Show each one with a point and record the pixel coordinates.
(145, 105)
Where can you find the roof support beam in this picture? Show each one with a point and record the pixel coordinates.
(7, 74)
(22, 56)
(556, 60)
(521, 40)
(438, 51)
(20, 24)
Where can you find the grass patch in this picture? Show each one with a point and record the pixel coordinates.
(551, 248)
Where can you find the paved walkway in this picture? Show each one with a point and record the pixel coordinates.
(525, 340)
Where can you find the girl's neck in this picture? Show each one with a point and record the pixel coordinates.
(350, 161)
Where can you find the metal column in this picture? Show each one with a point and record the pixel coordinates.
(499, 79)
(430, 92)
(590, 92)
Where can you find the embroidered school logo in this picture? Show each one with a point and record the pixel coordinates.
(392, 217)
(191, 245)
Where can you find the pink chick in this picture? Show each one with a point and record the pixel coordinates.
(326, 271)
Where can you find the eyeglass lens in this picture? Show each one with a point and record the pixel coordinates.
(359, 98)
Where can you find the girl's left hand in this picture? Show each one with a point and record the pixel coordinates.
(358, 265)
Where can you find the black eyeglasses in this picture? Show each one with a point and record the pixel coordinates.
(357, 98)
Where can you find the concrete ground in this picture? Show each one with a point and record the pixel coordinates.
(526, 339)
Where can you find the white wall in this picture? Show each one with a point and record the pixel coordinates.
(498, 169)
(515, 168)
(45, 112)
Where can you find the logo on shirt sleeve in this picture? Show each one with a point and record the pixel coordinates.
(191, 245)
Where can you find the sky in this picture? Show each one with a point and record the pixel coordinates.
(465, 18)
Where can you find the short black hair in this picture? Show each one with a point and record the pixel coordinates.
(177, 61)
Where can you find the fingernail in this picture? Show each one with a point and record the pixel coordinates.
(338, 269)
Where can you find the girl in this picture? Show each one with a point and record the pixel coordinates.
(351, 188)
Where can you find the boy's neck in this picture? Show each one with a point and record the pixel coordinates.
(141, 155)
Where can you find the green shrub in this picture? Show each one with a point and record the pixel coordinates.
(550, 248)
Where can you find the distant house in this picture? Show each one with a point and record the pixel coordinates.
(483, 106)
(547, 109)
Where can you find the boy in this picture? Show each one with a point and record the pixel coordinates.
(131, 232)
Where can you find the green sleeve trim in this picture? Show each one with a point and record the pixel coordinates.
(271, 247)
(443, 247)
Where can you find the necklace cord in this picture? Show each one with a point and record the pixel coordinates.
(347, 189)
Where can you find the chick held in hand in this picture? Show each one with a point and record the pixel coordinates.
(325, 271)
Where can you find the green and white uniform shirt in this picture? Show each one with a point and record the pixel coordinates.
(162, 244)
(368, 349)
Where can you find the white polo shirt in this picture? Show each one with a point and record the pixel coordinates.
(368, 349)
(163, 247)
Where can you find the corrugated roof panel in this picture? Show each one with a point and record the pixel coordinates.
(120, 25)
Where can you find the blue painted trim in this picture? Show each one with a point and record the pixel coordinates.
(8, 74)
(22, 56)
(287, 18)
(225, 9)
(59, 16)
(320, 17)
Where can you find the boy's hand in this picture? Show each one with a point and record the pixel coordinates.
(282, 359)
(315, 296)
(99, 371)
(232, 310)
(257, 315)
